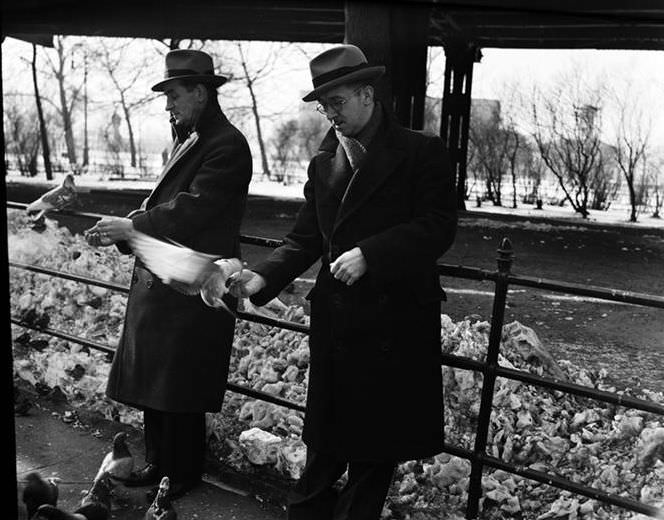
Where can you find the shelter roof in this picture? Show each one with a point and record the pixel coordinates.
(605, 24)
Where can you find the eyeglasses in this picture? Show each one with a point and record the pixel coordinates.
(337, 105)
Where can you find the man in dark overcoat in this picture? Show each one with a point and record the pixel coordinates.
(173, 356)
(379, 211)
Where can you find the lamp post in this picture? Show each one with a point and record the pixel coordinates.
(86, 150)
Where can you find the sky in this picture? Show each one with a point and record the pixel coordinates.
(638, 74)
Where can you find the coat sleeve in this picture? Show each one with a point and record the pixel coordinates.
(301, 248)
(123, 245)
(222, 177)
(395, 253)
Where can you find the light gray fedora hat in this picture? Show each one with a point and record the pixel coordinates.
(337, 66)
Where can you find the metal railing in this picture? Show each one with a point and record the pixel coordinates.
(490, 369)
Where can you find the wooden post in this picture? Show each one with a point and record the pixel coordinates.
(395, 36)
(455, 116)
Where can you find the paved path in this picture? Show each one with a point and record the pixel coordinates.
(47, 444)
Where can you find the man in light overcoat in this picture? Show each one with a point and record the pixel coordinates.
(173, 357)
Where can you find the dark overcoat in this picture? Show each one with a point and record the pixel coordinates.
(174, 350)
(375, 386)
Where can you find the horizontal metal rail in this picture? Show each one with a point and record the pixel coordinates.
(245, 239)
(465, 363)
(248, 316)
(602, 293)
(63, 335)
(554, 480)
(240, 389)
(70, 276)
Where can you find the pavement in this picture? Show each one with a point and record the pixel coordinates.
(53, 444)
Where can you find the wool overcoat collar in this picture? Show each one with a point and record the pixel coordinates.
(185, 140)
(385, 154)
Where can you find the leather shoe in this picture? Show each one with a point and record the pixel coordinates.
(176, 490)
(148, 474)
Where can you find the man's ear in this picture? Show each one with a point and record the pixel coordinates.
(368, 95)
(201, 93)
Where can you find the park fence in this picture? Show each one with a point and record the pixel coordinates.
(502, 278)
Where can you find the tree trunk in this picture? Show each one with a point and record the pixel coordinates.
(130, 130)
(632, 197)
(257, 118)
(46, 151)
(513, 188)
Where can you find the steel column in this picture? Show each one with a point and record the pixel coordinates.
(455, 115)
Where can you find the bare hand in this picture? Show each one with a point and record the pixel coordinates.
(245, 283)
(95, 239)
(112, 230)
(216, 285)
(349, 267)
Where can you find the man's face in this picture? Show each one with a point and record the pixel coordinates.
(346, 108)
(184, 105)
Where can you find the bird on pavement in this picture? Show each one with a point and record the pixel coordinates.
(161, 507)
(39, 491)
(57, 198)
(118, 463)
(95, 504)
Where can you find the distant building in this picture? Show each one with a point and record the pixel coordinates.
(485, 110)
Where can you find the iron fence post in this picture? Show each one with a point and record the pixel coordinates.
(505, 257)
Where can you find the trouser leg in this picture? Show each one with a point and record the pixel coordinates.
(363, 496)
(175, 442)
(314, 497)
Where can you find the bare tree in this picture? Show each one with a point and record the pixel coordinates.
(43, 132)
(21, 136)
(630, 148)
(251, 74)
(124, 74)
(533, 169)
(566, 122)
(68, 93)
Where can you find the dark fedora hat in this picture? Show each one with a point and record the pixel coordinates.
(189, 64)
(337, 66)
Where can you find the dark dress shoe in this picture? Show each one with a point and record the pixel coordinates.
(148, 474)
(177, 490)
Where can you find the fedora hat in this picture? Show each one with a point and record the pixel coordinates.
(339, 65)
(189, 64)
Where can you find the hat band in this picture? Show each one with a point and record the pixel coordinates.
(336, 73)
(173, 73)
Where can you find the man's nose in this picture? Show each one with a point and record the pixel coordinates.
(169, 105)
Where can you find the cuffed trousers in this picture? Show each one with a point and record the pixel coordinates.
(362, 498)
(175, 442)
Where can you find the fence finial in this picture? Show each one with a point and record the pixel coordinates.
(505, 255)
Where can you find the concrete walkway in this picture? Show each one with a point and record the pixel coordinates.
(72, 452)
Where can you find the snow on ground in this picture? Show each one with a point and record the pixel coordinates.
(561, 215)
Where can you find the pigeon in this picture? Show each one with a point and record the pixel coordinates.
(39, 491)
(57, 198)
(118, 463)
(184, 269)
(95, 504)
(161, 507)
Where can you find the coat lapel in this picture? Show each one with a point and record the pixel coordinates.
(176, 155)
(382, 159)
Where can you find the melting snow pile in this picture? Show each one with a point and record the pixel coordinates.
(612, 448)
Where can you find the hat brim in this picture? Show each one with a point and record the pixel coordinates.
(216, 81)
(366, 74)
